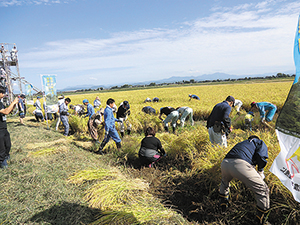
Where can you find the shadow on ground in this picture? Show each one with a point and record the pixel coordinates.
(66, 213)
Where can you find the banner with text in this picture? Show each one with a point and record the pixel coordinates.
(49, 88)
(286, 166)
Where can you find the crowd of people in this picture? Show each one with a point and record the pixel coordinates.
(239, 162)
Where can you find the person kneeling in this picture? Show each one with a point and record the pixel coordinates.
(151, 149)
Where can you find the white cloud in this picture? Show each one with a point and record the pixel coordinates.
(7, 3)
(247, 39)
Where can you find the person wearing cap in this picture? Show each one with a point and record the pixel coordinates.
(61, 100)
(238, 104)
(5, 142)
(21, 108)
(172, 117)
(110, 128)
(63, 113)
(266, 110)
(148, 110)
(90, 109)
(38, 113)
(155, 99)
(185, 112)
(97, 102)
(193, 97)
(122, 114)
(240, 163)
(219, 123)
(248, 120)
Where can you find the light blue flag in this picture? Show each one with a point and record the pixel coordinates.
(297, 52)
(28, 90)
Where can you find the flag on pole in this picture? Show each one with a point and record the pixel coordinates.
(286, 165)
(28, 93)
(49, 88)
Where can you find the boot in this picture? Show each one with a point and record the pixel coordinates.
(128, 132)
(166, 129)
(174, 128)
(224, 203)
(100, 150)
(261, 216)
(3, 164)
(118, 145)
(122, 134)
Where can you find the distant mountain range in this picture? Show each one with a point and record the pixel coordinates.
(214, 76)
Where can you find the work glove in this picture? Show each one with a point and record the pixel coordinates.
(263, 120)
(261, 174)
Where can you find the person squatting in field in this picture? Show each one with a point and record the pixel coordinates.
(63, 113)
(185, 112)
(266, 110)
(5, 142)
(110, 128)
(122, 115)
(240, 163)
(219, 123)
(172, 116)
(151, 149)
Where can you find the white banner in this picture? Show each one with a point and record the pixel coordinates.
(286, 166)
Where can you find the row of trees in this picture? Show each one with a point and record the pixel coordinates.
(191, 81)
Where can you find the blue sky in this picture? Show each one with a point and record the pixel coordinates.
(110, 42)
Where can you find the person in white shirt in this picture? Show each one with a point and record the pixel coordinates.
(185, 112)
(238, 104)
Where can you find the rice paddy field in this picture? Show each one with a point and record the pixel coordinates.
(56, 180)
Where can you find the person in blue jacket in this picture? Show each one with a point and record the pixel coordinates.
(266, 110)
(110, 128)
(90, 113)
(90, 109)
(193, 97)
(63, 113)
(240, 163)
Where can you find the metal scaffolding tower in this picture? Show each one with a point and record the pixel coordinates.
(9, 58)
